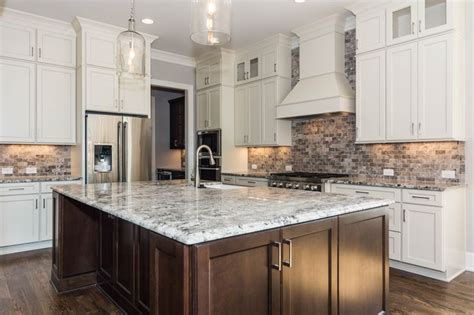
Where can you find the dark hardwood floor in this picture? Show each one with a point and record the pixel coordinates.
(25, 289)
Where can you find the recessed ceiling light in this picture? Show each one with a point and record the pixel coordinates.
(147, 21)
(299, 1)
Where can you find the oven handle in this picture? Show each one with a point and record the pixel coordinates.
(209, 168)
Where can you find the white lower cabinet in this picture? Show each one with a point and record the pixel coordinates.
(46, 217)
(422, 236)
(19, 219)
(244, 181)
(394, 245)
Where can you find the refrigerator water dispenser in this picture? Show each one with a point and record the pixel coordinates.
(102, 158)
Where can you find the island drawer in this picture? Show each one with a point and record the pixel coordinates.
(376, 192)
(19, 189)
(251, 182)
(46, 186)
(229, 180)
(423, 197)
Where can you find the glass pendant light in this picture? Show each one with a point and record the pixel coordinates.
(131, 50)
(211, 22)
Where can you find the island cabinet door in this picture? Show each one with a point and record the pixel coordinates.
(310, 268)
(124, 268)
(239, 275)
(363, 262)
(106, 248)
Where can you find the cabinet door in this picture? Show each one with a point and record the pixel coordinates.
(395, 217)
(17, 41)
(124, 258)
(237, 274)
(240, 69)
(101, 50)
(422, 236)
(214, 120)
(202, 109)
(46, 217)
(142, 292)
(370, 33)
(19, 220)
(56, 105)
(402, 22)
(435, 16)
(255, 114)
(269, 62)
(106, 246)
(57, 48)
(17, 101)
(363, 262)
(402, 92)
(133, 96)
(254, 63)
(394, 245)
(269, 103)
(370, 103)
(241, 129)
(310, 268)
(436, 87)
(214, 76)
(101, 90)
(202, 73)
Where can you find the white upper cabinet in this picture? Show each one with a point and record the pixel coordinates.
(209, 109)
(202, 75)
(133, 97)
(254, 136)
(100, 49)
(208, 74)
(435, 16)
(57, 48)
(370, 31)
(56, 98)
(102, 90)
(402, 90)
(436, 66)
(269, 62)
(269, 103)
(202, 109)
(402, 22)
(370, 103)
(17, 101)
(17, 41)
(241, 115)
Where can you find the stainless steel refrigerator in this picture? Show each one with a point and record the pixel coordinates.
(119, 148)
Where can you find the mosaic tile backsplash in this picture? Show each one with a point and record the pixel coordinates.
(48, 159)
(327, 144)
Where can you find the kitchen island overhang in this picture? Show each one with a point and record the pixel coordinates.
(172, 249)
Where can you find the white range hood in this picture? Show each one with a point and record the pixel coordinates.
(323, 87)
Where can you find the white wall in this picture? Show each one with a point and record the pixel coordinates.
(165, 158)
(470, 129)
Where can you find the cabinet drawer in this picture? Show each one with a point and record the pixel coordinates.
(46, 186)
(394, 245)
(395, 217)
(19, 189)
(376, 192)
(422, 197)
(229, 180)
(251, 182)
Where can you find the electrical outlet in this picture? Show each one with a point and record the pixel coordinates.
(448, 174)
(31, 170)
(388, 172)
(289, 168)
(254, 166)
(7, 170)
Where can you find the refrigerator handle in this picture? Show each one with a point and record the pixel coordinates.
(119, 164)
(124, 151)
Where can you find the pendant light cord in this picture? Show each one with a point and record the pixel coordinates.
(132, 10)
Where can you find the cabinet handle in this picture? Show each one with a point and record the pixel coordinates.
(13, 189)
(412, 128)
(413, 27)
(44, 203)
(32, 51)
(404, 215)
(275, 67)
(277, 266)
(36, 201)
(421, 197)
(39, 52)
(288, 262)
(419, 26)
(419, 127)
(251, 182)
(361, 192)
(357, 44)
(274, 136)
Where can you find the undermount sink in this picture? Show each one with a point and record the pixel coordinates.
(222, 186)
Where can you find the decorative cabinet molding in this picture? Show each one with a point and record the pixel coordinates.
(423, 80)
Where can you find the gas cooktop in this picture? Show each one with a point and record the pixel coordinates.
(300, 180)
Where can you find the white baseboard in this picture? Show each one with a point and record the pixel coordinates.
(469, 261)
(24, 247)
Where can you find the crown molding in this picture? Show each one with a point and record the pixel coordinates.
(170, 57)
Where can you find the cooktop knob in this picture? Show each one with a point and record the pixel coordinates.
(280, 184)
(289, 185)
(314, 188)
(274, 184)
(297, 186)
(307, 187)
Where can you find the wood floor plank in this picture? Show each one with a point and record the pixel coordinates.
(25, 289)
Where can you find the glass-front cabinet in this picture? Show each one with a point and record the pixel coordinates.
(247, 68)
(410, 20)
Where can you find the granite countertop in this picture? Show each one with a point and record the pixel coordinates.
(193, 216)
(248, 173)
(32, 179)
(394, 183)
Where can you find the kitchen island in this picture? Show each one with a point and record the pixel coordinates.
(168, 248)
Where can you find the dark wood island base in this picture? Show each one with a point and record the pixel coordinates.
(330, 266)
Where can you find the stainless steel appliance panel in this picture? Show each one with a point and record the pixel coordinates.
(137, 145)
(102, 131)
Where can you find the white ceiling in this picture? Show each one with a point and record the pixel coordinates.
(252, 20)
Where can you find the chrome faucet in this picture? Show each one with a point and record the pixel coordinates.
(197, 180)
